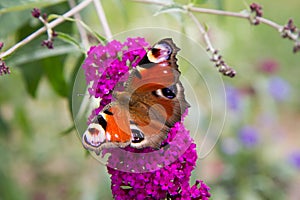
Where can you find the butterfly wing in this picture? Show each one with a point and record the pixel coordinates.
(157, 69)
(110, 128)
(157, 100)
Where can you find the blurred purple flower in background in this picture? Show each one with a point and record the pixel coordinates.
(232, 97)
(279, 88)
(268, 66)
(248, 136)
(230, 145)
(294, 159)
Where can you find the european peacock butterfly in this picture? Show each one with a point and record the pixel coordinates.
(152, 102)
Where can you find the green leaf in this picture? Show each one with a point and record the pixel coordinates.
(4, 127)
(23, 122)
(10, 22)
(8, 186)
(69, 39)
(68, 130)
(170, 9)
(7, 6)
(205, 27)
(35, 54)
(53, 67)
(32, 75)
(125, 187)
(220, 4)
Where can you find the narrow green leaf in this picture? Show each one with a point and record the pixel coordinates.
(35, 54)
(7, 6)
(220, 4)
(205, 26)
(32, 75)
(68, 130)
(10, 22)
(53, 67)
(23, 122)
(9, 188)
(170, 8)
(125, 187)
(4, 127)
(68, 38)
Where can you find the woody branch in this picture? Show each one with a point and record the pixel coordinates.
(288, 30)
(74, 10)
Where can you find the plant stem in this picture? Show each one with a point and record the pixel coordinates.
(216, 58)
(203, 32)
(52, 24)
(102, 18)
(217, 12)
(81, 30)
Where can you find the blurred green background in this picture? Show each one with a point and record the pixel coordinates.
(256, 157)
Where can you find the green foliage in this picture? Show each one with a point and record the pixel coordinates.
(4, 127)
(67, 38)
(8, 6)
(9, 189)
(44, 64)
(32, 76)
(173, 8)
(198, 2)
(54, 73)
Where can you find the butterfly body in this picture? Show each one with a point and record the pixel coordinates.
(151, 103)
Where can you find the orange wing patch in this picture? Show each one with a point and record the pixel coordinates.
(155, 77)
(117, 129)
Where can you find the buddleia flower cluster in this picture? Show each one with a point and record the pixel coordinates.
(141, 173)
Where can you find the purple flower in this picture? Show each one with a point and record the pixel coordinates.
(4, 69)
(141, 173)
(249, 136)
(1, 45)
(36, 12)
(294, 159)
(232, 97)
(257, 9)
(269, 66)
(104, 68)
(157, 174)
(230, 146)
(47, 43)
(279, 88)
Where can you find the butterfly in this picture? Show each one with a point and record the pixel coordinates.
(151, 103)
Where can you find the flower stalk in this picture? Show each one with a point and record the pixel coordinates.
(216, 58)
